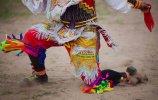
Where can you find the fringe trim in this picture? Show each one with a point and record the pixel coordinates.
(52, 30)
(89, 76)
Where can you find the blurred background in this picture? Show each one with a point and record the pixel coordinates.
(12, 8)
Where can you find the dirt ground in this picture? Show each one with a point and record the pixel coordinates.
(137, 46)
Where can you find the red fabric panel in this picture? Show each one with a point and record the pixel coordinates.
(30, 39)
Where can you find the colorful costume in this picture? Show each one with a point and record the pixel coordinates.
(75, 28)
(107, 80)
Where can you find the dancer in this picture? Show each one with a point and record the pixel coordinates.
(75, 28)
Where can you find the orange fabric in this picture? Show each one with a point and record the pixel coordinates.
(40, 73)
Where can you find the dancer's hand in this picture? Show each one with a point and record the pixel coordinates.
(145, 7)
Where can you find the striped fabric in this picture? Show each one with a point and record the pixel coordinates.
(136, 3)
(77, 15)
(40, 73)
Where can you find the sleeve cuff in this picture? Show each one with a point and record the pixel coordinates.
(138, 4)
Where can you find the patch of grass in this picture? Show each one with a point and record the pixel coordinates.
(107, 14)
(37, 96)
(6, 93)
(12, 8)
(155, 2)
(119, 21)
(1, 62)
(103, 9)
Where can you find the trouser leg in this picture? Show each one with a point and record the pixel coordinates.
(38, 62)
(84, 55)
(36, 66)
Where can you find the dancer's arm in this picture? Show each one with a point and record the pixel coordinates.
(126, 5)
(35, 6)
(143, 6)
(50, 7)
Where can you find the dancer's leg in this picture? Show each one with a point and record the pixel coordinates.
(38, 62)
(84, 54)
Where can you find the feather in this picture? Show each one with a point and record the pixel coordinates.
(14, 37)
(8, 37)
(21, 36)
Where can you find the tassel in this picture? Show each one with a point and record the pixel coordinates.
(19, 53)
(41, 55)
(14, 37)
(148, 19)
(21, 36)
(8, 37)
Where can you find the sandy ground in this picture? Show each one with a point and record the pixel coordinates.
(137, 46)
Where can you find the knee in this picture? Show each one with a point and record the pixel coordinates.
(30, 37)
(30, 34)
